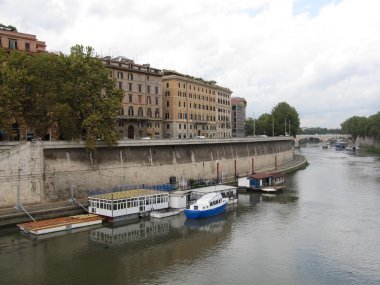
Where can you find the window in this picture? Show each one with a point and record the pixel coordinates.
(130, 98)
(167, 84)
(120, 85)
(149, 112)
(148, 100)
(148, 89)
(167, 103)
(27, 46)
(12, 44)
(147, 78)
(140, 112)
(140, 88)
(130, 76)
(130, 86)
(156, 90)
(156, 99)
(130, 111)
(168, 126)
(119, 74)
(140, 99)
(179, 126)
(157, 113)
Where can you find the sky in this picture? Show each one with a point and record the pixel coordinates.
(322, 57)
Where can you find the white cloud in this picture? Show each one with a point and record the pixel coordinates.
(322, 59)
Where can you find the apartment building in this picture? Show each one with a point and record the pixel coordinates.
(238, 116)
(141, 110)
(11, 39)
(193, 107)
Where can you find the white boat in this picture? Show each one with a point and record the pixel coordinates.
(208, 205)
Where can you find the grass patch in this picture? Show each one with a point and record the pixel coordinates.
(373, 150)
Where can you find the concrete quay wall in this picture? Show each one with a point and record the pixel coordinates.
(47, 171)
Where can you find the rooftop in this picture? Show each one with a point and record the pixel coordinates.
(127, 194)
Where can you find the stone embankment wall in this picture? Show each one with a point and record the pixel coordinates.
(367, 142)
(47, 171)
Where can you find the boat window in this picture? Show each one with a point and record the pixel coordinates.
(114, 207)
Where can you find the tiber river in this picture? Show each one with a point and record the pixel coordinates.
(324, 229)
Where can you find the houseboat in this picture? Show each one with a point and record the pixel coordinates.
(118, 206)
(208, 205)
(263, 181)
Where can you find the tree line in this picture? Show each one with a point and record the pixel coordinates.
(283, 120)
(70, 94)
(362, 126)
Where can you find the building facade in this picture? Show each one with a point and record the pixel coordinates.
(193, 107)
(11, 39)
(141, 110)
(238, 116)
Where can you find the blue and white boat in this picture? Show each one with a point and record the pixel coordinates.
(208, 205)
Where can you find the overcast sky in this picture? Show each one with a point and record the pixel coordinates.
(322, 57)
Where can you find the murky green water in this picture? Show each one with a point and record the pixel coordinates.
(324, 229)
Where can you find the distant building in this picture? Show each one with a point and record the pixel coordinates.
(11, 39)
(238, 116)
(193, 107)
(141, 110)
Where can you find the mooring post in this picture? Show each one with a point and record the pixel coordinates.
(217, 172)
(235, 169)
(275, 162)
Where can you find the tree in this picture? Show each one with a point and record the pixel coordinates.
(264, 125)
(283, 115)
(374, 126)
(355, 126)
(73, 93)
(13, 84)
(92, 98)
(248, 126)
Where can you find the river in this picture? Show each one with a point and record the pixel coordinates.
(323, 229)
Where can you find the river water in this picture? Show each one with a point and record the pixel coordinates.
(323, 229)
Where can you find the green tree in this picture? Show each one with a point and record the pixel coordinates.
(264, 125)
(73, 93)
(283, 115)
(355, 126)
(374, 125)
(248, 126)
(92, 98)
(14, 82)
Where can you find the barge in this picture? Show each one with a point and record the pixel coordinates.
(60, 224)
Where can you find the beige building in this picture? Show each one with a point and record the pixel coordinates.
(194, 107)
(10, 39)
(141, 112)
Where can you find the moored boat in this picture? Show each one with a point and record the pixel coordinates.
(208, 205)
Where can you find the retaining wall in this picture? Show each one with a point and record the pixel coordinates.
(46, 171)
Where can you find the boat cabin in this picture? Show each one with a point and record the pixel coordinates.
(259, 180)
(127, 204)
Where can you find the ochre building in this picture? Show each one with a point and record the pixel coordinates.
(141, 110)
(11, 39)
(193, 107)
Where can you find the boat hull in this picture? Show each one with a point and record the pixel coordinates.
(200, 214)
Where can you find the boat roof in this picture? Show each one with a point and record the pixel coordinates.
(128, 194)
(215, 188)
(260, 175)
(206, 198)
